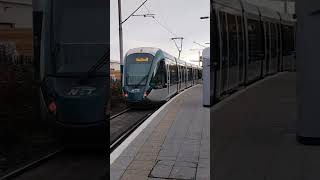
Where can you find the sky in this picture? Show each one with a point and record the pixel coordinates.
(180, 17)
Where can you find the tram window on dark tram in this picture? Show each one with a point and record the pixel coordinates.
(288, 40)
(224, 34)
(255, 40)
(273, 40)
(159, 79)
(241, 47)
(73, 52)
(233, 40)
(268, 36)
(215, 46)
(241, 38)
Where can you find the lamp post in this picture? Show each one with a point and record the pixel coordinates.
(120, 40)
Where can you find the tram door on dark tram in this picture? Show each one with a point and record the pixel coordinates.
(224, 57)
(268, 48)
(168, 78)
(233, 68)
(274, 48)
(241, 49)
(215, 56)
(280, 55)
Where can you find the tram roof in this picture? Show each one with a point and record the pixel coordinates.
(266, 12)
(149, 50)
(252, 9)
(153, 51)
(229, 3)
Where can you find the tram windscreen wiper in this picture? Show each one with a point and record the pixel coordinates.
(144, 78)
(100, 63)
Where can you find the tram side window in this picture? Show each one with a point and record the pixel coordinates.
(195, 74)
(224, 34)
(268, 35)
(288, 40)
(173, 74)
(215, 45)
(199, 74)
(233, 40)
(181, 73)
(241, 40)
(191, 74)
(273, 41)
(159, 79)
(255, 41)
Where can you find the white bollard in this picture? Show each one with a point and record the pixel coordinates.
(207, 94)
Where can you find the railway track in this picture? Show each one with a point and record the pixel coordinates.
(31, 165)
(73, 164)
(122, 125)
(120, 113)
(64, 164)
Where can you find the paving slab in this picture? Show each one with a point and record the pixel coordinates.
(170, 147)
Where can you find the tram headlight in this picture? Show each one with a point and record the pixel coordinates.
(147, 92)
(52, 107)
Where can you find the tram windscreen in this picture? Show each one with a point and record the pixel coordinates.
(137, 68)
(80, 34)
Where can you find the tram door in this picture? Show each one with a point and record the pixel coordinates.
(241, 49)
(168, 79)
(280, 58)
(224, 56)
(274, 57)
(268, 48)
(278, 50)
(233, 64)
(180, 77)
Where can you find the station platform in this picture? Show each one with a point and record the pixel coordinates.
(254, 135)
(174, 143)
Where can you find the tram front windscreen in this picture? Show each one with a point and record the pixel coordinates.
(80, 34)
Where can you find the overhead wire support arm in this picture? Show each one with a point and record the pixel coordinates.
(199, 44)
(181, 40)
(145, 15)
(134, 12)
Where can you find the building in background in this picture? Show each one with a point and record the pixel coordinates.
(115, 70)
(16, 13)
(15, 28)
